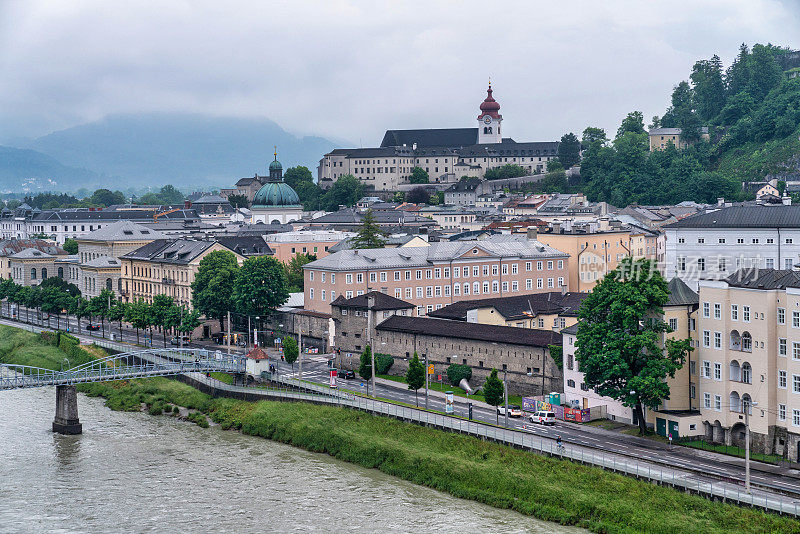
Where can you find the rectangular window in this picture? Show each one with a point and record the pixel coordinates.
(769, 263)
(781, 316)
(311, 293)
(527, 266)
(706, 369)
(701, 264)
(707, 400)
(504, 269)
(446, 272)
(437, 291)
(706, 309)
(717, 371)
(408, 275)
(409, 292)
(457, 289)
(717, 310)
(349, 295)
(529, 283)
(706, 338)
(373, 277)
(796, 417)
(514, 286)
(781, 412)
(796, 383)
(311, 276)
(673, 324)
(446, 291)
(420, 292)
(428, 274)
(348, 278)
(795, 319)
(456, 272)
(734, 312)
(429, 292)
(746, 314)
(475, 271)
(796, 351)
(419, 274)
(718, 403)
(539, 265)
(437, 273)
(549, 265)
(383, 276)
(782, 379)
(549, 282)
(782, 346)
(539, 283)
(560, 264)
(717, 340)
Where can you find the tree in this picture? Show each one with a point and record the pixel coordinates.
(294, 271)
(619, 337)
(493, 392)
(105, 197)
(160, 312)
(633, 123)
(369, 233)
(569, 150)
(61, 285)
(189, 321)
(290, 350)
(418, 195)
(509, 170)
(260, 286)
(418, 176)
(365, 366)
(136, 314)
(80, 309)
(166, 195)
(456, 372)
(71, 246)
(117, 313)
(239, 201)
(415, 376)
(709, 87)
(55, 302)
(211, 289)
(294, 176)
(346, 191)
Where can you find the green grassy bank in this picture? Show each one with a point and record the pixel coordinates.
(466, 467)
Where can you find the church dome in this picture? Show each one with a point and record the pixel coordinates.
(490, 106)
(274, 194)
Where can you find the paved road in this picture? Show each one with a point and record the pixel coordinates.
(707, 465)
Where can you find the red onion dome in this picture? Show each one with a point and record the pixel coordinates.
(490, 104)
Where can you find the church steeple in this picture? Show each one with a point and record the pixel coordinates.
(489, 120)
(275, 169)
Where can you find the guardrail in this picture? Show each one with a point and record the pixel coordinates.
(677, 478)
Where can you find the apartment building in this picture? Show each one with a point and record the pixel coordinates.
(714, 244)
(317, 242)
(749, 359)
(440, 274)
(165, 267)
(596, 249)
(678, 415)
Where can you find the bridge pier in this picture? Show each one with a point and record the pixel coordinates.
(66, 421)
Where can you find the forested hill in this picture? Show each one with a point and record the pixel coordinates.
(752, 111)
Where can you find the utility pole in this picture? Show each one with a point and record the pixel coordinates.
(229, 333)
(747, 408)
(505, 392)
(370, 305)
(300, 353)
(248, 331)
(426, 380)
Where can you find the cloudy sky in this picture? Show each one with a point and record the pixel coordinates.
(351, 69)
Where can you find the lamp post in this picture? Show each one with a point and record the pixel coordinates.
(747, 407)
(505, 392)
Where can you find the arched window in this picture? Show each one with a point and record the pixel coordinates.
(33, 273)
(734, 371)
(747, 404)
(736, 340)
(119, 285)
(490, 129)
(747, 373)
(735, 405)
(747, 342)
(61, 272)
(109, 283)
(44, 273)
(485, 130)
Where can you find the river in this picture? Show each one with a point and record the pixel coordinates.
(133, 472)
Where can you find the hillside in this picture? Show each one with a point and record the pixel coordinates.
(752, 112)
(24, 170)
(185, 150)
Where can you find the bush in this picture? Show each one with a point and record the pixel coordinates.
(458, 371)
(198, 418)
(383, 362)
(176, 410)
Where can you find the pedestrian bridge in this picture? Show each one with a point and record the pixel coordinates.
(123, 366)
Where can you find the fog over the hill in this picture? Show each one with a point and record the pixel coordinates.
(350, 69)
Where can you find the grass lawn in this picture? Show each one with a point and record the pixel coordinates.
(732, 451)
(457, 391)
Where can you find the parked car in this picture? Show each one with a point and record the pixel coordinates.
(543, 418)
(177, 340)
(92, 326)
(346, 374)
(513, 410)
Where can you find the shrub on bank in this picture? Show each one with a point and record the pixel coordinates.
(383, 362)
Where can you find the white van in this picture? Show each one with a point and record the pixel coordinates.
(543, 418)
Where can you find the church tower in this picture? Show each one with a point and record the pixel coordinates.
(489, 120)
(276, 169)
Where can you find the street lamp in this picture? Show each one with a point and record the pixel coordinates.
(747, 407)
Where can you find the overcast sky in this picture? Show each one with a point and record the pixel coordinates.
(350, 70)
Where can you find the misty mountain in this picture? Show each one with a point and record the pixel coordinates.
(28, 170)
(182, 149)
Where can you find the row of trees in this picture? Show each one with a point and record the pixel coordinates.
(58, 298)
(100, 198)
(255, 289)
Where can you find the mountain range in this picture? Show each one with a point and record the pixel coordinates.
(124, 151)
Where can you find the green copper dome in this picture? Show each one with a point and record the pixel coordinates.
(276, 194)
(275, 166)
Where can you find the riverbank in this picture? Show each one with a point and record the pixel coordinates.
(466, 467)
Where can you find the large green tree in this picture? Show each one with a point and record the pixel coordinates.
(70, 246)
(211, 289)
(295, 175)
(493, 392)
(415, 376)
(346, 191)
(569, 150)
(290, 350)
(365, 365)
(620, 342)
(369, 233)
(260, 286)
(418, 176)
(239, 201)
(294, 271)
(106, 197)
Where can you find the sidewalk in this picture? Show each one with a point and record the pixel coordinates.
(432, 393)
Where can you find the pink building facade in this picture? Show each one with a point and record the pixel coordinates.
(438, 275)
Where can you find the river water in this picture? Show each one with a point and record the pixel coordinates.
(132, 472)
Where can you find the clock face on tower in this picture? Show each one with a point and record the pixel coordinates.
(487, 119)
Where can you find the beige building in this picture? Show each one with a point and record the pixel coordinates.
(9, 247)
(749, 359)
(317, 242)
(165, 267)
(30, 266)
(440, 274)
(677, 415)
(660, 138)
(595, 250)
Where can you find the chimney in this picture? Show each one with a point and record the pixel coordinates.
(533, 232)
(187, 204)
(414, 146)
(556, 227)
(720, 201)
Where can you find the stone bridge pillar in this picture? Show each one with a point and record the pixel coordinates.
(66, 421)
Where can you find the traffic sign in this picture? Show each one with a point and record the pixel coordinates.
(430, 369)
